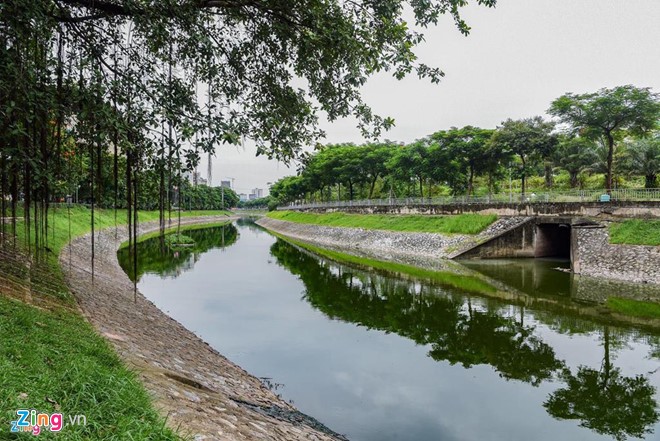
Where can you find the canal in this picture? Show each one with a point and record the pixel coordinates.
(378, 356)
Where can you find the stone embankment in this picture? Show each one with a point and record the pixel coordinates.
(595, 256)
(414, 248)
(201, 393)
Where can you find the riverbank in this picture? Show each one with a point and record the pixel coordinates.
(593, 253)
(604, 301)
(422, 249)
(468, 223)
(203, 395)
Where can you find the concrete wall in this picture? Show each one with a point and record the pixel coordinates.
(538, 237)
(516, 242)
(582, 209)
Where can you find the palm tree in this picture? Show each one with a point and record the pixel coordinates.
(644, 159)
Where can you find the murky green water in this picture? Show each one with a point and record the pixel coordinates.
(379, 357)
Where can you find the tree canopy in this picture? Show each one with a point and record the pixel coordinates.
(529, 139)
(608, 115)
(142, 86)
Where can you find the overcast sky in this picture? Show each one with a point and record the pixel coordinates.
(517, 59)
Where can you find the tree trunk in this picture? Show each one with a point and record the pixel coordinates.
(470, 182)
(522, 179)
(548, 174)
(573, 179)
(421, 187)
(373, 185)
(651, 180)
(610, 160)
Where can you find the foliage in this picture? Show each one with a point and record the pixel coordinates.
(530, 140)
(459, 224)
(576, 154)
(411, 162)
(470, 150)
(203, 197)
(265, 202)
(644, 159)
(608, 115)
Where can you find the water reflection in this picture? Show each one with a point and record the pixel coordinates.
(605, 400)
(381, 357)
(154, 257)
(459, 332)
(538, 277)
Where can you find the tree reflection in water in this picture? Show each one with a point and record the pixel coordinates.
(155, 258)
(445, 319)
(606, 401)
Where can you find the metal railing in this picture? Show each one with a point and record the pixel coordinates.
(615, 195)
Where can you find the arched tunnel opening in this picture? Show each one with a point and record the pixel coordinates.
(553, 240)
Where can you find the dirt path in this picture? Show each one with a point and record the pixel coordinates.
(202, 394)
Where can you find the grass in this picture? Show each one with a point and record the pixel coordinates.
(635, 308)
(636, 232)
(51, 359)
(462, 282)
(458, 224)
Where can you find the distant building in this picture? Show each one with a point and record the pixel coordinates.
(258, 193)
(195, 178)
(243, 197)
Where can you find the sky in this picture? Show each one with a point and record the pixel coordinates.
(518, 57)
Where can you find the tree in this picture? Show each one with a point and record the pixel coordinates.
(609, 113)
(528, 139)
(644, 158)
(288, 189)
(348, 168)
(124, 76)
(445, 166)
(575, 154)
(410, 162)
(469, 146)
(374, 162)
